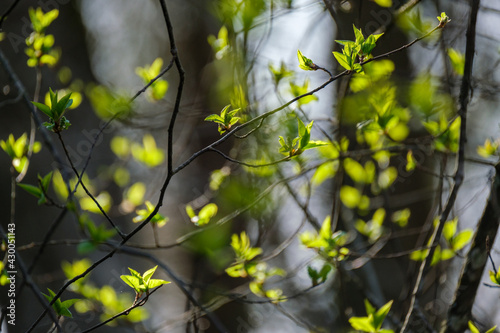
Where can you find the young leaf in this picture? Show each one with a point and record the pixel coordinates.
(44, 108)
(305, 63)
(343, 60)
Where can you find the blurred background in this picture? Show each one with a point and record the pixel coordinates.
(227, 48)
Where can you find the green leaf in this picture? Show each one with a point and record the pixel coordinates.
(206, 213)
(61, 106)
(473, 327)
(132, 281)
(462, 239)
(215, 118)
(362, 323)
(350, 196)
(495, 278)
(355, 170)
(153, 283)
(381, 314)
(344, 60)
(491, 330)
(33, 190)
(384, 3)
(305, 63)
(457, 60)
(358, 34)
(44, 108)
(148, 274)
(410, 161)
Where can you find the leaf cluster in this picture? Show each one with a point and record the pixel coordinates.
(39, 191)
(204, 215)
(360, 49)
(225, 120)
(148, 73)
(300, 143)
(18, 149)
(142, 283)
(328, 244)
(40, 46)
(55, 111)
(60, 307)
(372, 323)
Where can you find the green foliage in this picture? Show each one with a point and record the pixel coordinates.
(103, 301)
(401, 217)
(372, 323)
(353, 198)
(148, 73)
(39, 191)
(300, 143)
(495, 277)
(245, 265)
(4, 276)
(260, 274)
(76, 97)
(242, 249)
(40, 46)
(360, 49)
(412, 22)
(220, 44)
(218, 176)
(446, 134)
(55, 111)
(143, 214)
(328, 244)
(104, 199)
(299, 90)
(134, 195)
(18, 149)
(384, 3)
(330, 153)
(455, 241)
(226, 119)
(411, 164)
(142, 283)
(280, 73)
(306, 63)
(443, 20)
(457, 60)
(474, 329)
(107, 103)
(318, 277)
(97, 234)
(372, 229)
(147, 153)
(489, 148)
(204, 216)
(60, 307)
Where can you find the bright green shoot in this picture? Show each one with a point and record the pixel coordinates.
(372, 323)
(40, 190)
(225, 120)
(142, 283)
(305, 63)
(55, 112)
(353, 50)
(474, 329)
(143, 214)
(17, 149)
(60, 307)
(328, 244)
(148, 73)
(301, 143)
(204, 216)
